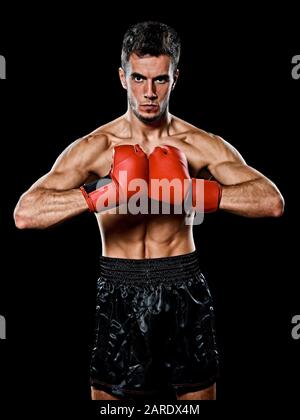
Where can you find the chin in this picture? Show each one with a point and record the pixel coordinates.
(147, 119)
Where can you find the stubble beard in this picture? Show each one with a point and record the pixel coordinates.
(147, 120)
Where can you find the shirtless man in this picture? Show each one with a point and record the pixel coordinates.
(154, 316)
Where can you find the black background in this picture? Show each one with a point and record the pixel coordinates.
(62, 83)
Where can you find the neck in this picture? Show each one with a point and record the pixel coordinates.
(154, 130)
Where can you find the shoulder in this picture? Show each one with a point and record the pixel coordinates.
(82, 153)
(101, 139)
(87, 145)
(190, 134)
(209, 143)
(205, 146)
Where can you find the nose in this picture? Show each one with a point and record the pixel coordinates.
(150, 92)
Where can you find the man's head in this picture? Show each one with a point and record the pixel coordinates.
(151, 38)
(150, 55)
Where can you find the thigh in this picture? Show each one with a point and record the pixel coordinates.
(204, 394)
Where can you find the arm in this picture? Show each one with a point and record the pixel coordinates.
(56, 196)
(245, 191)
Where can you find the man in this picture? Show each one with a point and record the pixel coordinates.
(154, 320)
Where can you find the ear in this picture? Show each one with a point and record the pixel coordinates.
(176, 75)
(122, 77)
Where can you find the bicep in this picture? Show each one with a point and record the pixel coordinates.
(61, 180)
(232, 172)
(228, 166)
(71, 169)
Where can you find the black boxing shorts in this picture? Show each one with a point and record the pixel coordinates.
(155, 327)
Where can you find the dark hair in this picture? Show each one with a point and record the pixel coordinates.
(152, 38)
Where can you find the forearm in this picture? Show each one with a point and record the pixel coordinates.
(41, 208)
(256, 198)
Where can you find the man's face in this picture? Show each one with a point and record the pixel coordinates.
(149, 81)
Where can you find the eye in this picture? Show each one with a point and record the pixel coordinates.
(161, 81)
(138, 79)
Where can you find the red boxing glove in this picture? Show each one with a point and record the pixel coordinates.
(133, 163)
(168, 162)
(206, 197)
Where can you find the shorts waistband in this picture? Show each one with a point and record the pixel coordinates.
(179, 266)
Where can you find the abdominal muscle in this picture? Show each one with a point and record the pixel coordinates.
(145, 236)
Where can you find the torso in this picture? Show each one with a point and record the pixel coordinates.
(147, 236)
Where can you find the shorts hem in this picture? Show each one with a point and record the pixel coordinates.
(179, 389)
(118, 390)
(192, 387)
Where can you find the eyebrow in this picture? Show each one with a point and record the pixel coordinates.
(160, 76)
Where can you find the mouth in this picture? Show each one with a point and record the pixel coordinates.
(149, 107)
